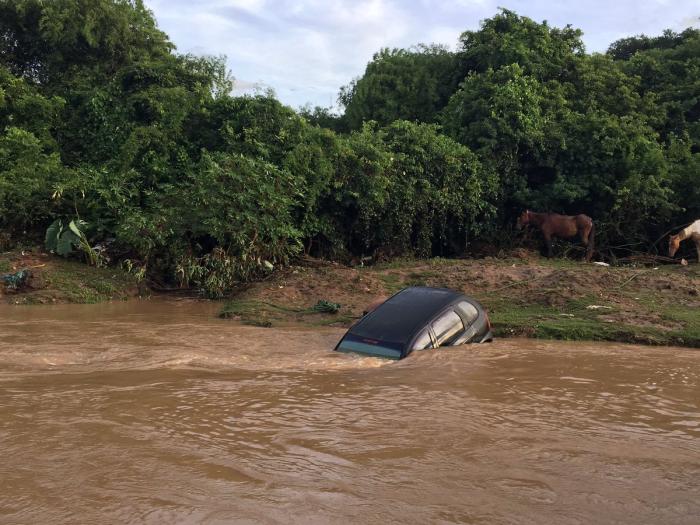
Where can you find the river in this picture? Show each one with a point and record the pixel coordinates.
(157, 412)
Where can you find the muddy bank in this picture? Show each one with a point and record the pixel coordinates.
(529, 296)
(526, 296)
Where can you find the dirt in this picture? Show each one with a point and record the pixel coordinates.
(304, 285)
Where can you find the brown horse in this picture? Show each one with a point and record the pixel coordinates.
(562, 226)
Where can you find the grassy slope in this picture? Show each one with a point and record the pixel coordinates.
(65, 281)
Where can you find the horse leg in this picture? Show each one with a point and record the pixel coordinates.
(587, 236)
(548, 243)
(697, 247)
(583, 233)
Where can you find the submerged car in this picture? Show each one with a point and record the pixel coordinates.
(418, 318)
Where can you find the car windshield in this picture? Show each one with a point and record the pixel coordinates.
(369, 347)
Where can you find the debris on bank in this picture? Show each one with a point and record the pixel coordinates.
(17, 280)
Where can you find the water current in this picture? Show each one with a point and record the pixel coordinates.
(158, 412)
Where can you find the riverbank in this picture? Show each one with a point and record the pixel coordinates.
(53, 280)
(526, 296)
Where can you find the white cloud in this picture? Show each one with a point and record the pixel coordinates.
(307, 49)
(689, 21)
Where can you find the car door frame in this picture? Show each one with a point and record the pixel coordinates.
(449, 308)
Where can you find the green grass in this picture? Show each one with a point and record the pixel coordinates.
(690, 319)
(266, 314)
(84, 284)
(392, 282)
(252, 308)
(61, 280)
(575, 322)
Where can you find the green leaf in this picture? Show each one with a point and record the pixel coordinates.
(66, 242)
(75, 229)
(52, 234)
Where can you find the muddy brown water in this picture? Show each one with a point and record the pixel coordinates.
(155, 412)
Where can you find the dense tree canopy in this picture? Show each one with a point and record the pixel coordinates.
(101, 120)
(541, 51)
(402, 84)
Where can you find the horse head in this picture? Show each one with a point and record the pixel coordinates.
(674, 242)
(523, 220)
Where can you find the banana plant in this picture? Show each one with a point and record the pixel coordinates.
(63, 239)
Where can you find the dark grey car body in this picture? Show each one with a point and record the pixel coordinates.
(418, 318)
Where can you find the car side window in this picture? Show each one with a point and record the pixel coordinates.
(423, 341)
(447, 326)
(468, 311)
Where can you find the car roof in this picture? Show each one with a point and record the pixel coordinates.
(401, 317)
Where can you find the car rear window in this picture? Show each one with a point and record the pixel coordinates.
(397, 320)
(351, 343)
(391, 322)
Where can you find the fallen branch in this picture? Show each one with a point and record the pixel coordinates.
(633, 278)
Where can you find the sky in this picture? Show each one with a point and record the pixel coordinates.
(305, 50)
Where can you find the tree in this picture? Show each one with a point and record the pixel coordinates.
(668, 68)
(407, 189)
(29, 161)
(402, 84)
(53, 43)
(541, 51)
(513, 122)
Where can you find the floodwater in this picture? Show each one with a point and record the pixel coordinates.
(157, 412)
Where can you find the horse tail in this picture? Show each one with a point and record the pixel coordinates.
(591, 243)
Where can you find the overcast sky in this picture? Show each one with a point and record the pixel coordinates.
(307, 49)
